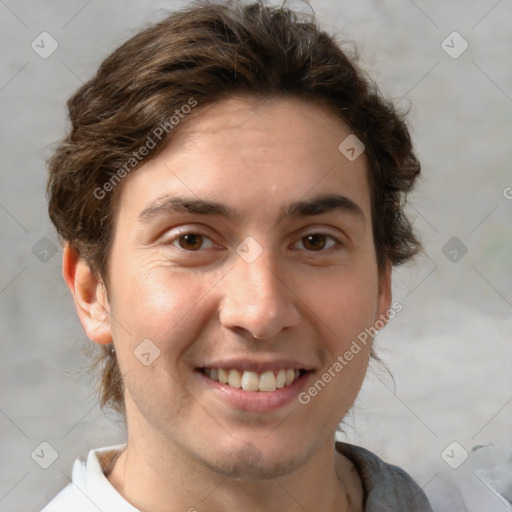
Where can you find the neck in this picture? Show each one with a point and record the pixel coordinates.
(155, 479)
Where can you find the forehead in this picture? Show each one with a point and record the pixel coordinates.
(243, 150)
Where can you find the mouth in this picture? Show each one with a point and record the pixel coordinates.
(255, 385)
(251, 381)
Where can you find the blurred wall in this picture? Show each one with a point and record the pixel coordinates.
(450, 348)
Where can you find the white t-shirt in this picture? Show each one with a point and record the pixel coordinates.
(90, 490)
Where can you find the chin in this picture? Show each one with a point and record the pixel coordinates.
(249, 463)
(259, 471)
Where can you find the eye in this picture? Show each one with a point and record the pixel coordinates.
(318, 242)
(192, 241)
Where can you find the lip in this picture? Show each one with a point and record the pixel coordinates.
(255, 401)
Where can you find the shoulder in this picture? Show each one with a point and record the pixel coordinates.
(90, 490)
(386, 487)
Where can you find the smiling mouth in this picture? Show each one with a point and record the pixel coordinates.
(252, 381)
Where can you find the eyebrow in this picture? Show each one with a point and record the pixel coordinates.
(316, 205)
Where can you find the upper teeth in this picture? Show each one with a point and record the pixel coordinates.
(252, 381)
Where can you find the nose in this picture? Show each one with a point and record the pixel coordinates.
(258, 298)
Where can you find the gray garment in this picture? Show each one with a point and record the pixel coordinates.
(387, 488)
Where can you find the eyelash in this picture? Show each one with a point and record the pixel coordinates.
(336, 247)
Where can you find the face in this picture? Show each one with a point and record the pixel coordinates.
(244, 252)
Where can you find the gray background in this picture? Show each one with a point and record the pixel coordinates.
(449, 350)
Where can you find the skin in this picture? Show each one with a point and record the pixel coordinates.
(297, 300)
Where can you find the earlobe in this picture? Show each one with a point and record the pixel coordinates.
(89, 294)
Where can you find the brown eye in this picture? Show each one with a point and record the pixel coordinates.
(321, 243)
(191, 241)
(314, 242)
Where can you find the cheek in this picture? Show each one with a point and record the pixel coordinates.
(144, 305)
(157, 303)
(351, 306)
(347, 304)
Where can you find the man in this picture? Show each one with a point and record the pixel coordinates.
(230, 198)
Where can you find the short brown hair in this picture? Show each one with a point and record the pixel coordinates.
(207, 52)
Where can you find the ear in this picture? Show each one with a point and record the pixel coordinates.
(384, 298)
(89, 294)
